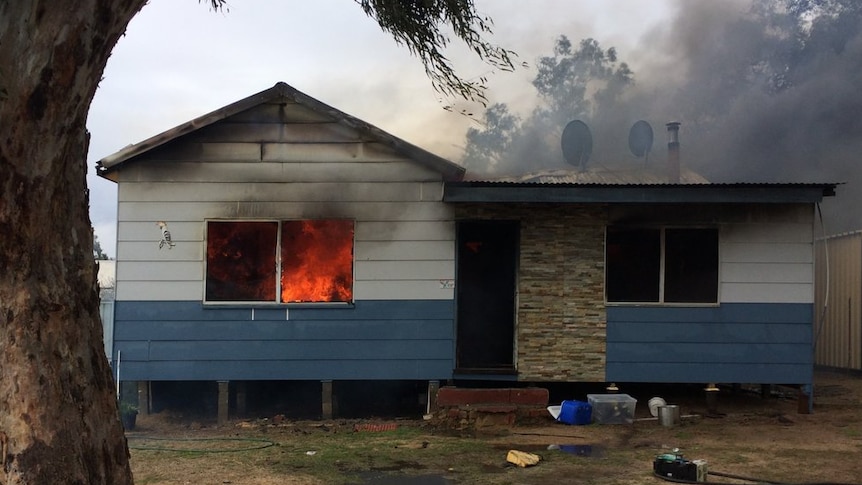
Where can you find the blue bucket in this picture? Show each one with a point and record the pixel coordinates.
(575, 412)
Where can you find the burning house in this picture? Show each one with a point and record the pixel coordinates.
(279, 239)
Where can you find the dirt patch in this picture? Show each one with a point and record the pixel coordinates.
(752, 436)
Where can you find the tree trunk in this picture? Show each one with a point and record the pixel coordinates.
(58, 416)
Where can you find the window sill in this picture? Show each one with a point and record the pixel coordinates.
(661, 304)
(212, 305)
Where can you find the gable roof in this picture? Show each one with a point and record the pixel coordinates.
(282, 91)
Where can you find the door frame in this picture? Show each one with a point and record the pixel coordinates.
(513, 226)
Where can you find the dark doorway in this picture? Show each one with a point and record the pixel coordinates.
(487, 262)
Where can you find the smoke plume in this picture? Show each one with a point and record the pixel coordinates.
(764, 96)
(765, 92)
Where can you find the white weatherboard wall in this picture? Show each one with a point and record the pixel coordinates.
(404, 234)
(761, 330)
(768, 258)
(766, 251)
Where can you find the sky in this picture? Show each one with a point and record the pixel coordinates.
(179, 60)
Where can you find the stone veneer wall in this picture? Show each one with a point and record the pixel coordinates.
(561, 318)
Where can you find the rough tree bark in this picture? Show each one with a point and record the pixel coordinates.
(59, 422)
(58, 415)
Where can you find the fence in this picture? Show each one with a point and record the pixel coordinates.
(837, 297)
(106, 311)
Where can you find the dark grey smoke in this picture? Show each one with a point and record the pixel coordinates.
(757, 106)
(761, 95)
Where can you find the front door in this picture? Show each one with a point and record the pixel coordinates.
(487, 260)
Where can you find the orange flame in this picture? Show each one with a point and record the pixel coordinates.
(317, 261)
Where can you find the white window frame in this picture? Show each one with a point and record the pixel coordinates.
(278, 266)
(662, 266)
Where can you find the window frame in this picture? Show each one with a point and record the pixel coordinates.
(662, 229)
(276, 302)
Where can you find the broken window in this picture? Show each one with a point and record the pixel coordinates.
(662, 265)
(284, 261)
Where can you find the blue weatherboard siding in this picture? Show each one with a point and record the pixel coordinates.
(399, 339)
(414, 339)
(766, 343)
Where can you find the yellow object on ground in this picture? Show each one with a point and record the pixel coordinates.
(522, 459)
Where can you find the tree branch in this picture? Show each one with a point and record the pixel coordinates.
(418, 25)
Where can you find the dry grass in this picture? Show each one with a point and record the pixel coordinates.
(756, 437)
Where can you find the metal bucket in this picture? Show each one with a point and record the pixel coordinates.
(668, 415)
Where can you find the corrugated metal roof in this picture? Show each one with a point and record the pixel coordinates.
(840, 235)
(649, 175)
(711, 185)
(281, 90)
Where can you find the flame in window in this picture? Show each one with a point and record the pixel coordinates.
(317, 261)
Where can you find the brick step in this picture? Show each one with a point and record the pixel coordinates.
(461, 396)
(462, 408)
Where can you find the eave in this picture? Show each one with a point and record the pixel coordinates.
(734, 193)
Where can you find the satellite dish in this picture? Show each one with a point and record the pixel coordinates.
(577, 143)
(640, 139)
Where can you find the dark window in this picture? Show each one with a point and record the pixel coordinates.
(690, 265)
(241, 262)
(662, 265)
(288, 261)
(634, 264)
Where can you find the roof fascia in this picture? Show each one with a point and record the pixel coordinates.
(696, 193)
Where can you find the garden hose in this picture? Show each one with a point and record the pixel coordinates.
(261, 444)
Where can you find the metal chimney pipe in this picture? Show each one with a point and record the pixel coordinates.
(673, 152)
